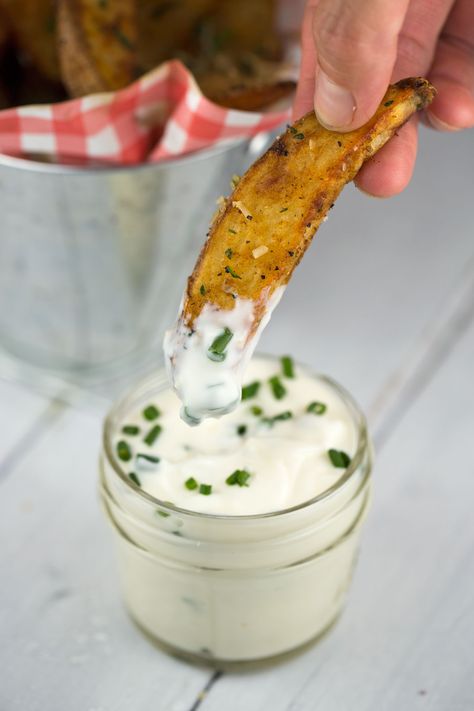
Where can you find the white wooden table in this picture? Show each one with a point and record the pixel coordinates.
(384, 302)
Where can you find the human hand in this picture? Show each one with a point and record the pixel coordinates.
(351, 50)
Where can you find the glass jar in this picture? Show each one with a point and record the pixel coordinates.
(232, 589)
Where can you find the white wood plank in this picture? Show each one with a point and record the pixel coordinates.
(19, 409)
(67, 642)
(405, 641)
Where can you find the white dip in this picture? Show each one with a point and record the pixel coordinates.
(286, 460)
(206, 364)
(216, 574)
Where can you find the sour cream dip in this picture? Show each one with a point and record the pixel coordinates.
(237, 538)
(282, 435)
(206, 363)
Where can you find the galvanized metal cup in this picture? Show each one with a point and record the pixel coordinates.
(93, 261)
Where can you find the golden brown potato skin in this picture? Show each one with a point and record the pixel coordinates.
(166, 27)
(239, 26)
(288, 192)
(98, 42)
(33, 23)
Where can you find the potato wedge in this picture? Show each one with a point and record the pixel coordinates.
(166, 27)
(243, 26)
(33, 24)
(242, 81)
(256, 240)
(98, 42)
(251, 96)
(287, 193)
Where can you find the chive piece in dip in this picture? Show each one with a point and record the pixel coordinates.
(131, 430)
(153, 435)
(124, 452)
(318, 408)
(191, 483)
(216, 350)
(239, 477)
(250, 390)
(205, 489)
(151, 412)
(277, 418)
(133, 477)
(278, 389)
(287, 367)
(339, 459)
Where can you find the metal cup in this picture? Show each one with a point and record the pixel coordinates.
(93, 261)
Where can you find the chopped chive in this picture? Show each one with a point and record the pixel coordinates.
(229, 253)
(233, 232)
(148, 458)
(205, 489)
(277, 418)
(284, 209)
(152, 435)
(339, 459)
(216, 350)
(233, 274)
(292, 130)
(283, 416)
(241, 430)
(123, 451)
(202, 290)
(130, 430)
(250, 390)
(151, 413)
(191, 483)
(256, 410)
(277, 387)
(388, 103)
(163, 514)
(133, 477)
(298, 136)
(287, 367)
(319, 408)
(239, 477)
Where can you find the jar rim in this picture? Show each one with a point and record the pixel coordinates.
(159, 381)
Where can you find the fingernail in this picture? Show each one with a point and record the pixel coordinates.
(334, 105)
(436, 122)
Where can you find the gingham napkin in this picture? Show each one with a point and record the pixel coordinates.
(162, 115)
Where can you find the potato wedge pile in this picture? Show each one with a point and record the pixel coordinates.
(264, 227)
(51, 49)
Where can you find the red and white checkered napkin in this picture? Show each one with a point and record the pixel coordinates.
(161, 115)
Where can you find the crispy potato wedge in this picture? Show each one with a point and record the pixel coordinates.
(98, 42)
(33, 24)
(247, 96)
(257, 238)
(241, 81)
(243, 26)
(166, 27)
(282, 199)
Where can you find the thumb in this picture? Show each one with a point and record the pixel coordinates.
(356, 47)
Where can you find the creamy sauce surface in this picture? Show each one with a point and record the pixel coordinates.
(285, 455)
(206, 364)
